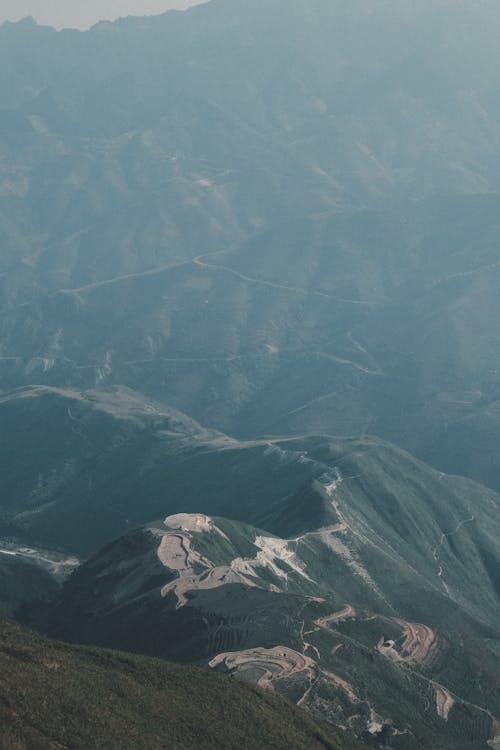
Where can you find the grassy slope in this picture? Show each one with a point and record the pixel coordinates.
(52, 695)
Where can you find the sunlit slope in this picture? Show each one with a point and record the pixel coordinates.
(54, 695)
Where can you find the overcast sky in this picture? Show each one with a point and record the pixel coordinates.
(84, 13)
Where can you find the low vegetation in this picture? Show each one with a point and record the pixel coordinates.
(57, 696)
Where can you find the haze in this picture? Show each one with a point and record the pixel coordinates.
(74, 13)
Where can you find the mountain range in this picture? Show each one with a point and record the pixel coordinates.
(249, 377)
(301, 241)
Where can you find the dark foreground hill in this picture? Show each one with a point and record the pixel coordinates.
(55, 696)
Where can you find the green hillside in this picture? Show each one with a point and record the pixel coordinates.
(55, 696)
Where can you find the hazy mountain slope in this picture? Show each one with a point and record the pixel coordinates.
(340, 622)
(372, 321)
(275, 216)
(113, 459)
(57, 696)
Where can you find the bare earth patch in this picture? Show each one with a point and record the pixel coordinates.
(348, 613)
(444, 701)
(196, 572)
(495, 742)
(419, 646)
(267, 664)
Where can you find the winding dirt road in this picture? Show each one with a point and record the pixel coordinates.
(274, 285)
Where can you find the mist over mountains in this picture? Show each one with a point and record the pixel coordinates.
(321, 212)
(249, 267)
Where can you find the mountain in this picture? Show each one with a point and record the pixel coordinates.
(278, 217)
(248, 315)
(352, 541)
(113, 459)
(384, 617)
(53, 695)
